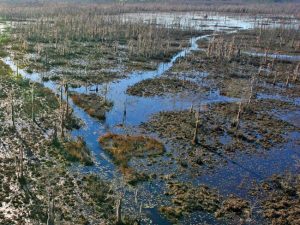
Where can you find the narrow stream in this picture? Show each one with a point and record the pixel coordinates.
(139, 109)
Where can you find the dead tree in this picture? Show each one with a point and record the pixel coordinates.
(195, 140)
(119, 211)
(251, 89)
(17, 166)
(21, 163)
(287, 80)
(105, 92)
(54, 137)
(50, 220)
(62, 116)
(237, 119)
(192, 108)
(296, 72)
(12, 108)
(17, 68)
(32, 103)
(266, 56)
(124, 114)
(67, 99)
(136, 196)
(275, 77)
(231, 49)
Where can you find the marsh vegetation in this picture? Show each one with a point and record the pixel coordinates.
(149, 113)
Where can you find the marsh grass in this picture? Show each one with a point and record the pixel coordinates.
(123, 148)
(98, 190)
(162, 86)
(94, 105)
(78, 151)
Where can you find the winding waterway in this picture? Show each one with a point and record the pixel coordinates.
(139, 109)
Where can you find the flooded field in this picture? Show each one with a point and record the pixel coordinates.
(206, 134)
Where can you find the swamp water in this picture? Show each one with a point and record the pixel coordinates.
(242, 167)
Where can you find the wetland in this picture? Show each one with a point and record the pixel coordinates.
(148, 117)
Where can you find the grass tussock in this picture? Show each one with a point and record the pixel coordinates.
(98, 191)
(78, 151)
(124, 147)
(96, 106)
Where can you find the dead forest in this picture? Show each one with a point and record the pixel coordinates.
(129, 112)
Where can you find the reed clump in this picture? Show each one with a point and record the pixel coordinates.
(78, 151)
(96, 106)
(123, 148)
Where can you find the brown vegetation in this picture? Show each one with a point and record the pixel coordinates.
(34, 178)
(78, 151)
(257, 130)
(83, 43)
(84, 46)
(124, 147)
(21, 11)
(96, 106)
(280, 200)
(187, 199)
(162, 86)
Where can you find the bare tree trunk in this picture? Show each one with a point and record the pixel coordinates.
(275, 77)
(237, 120)
(17, 162)
(119, 211)
(17, 68)
(296, 72)
(32, 104)
(67, 93)
(54, 138)
(266, 56)
(251, 90)
(191, 108)
(287, 80)
(21, 160)
(105, 92)
(12, 109)
(136, 196)
(50, 220)
(195, 140)
(62, 113)
(124, 114)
